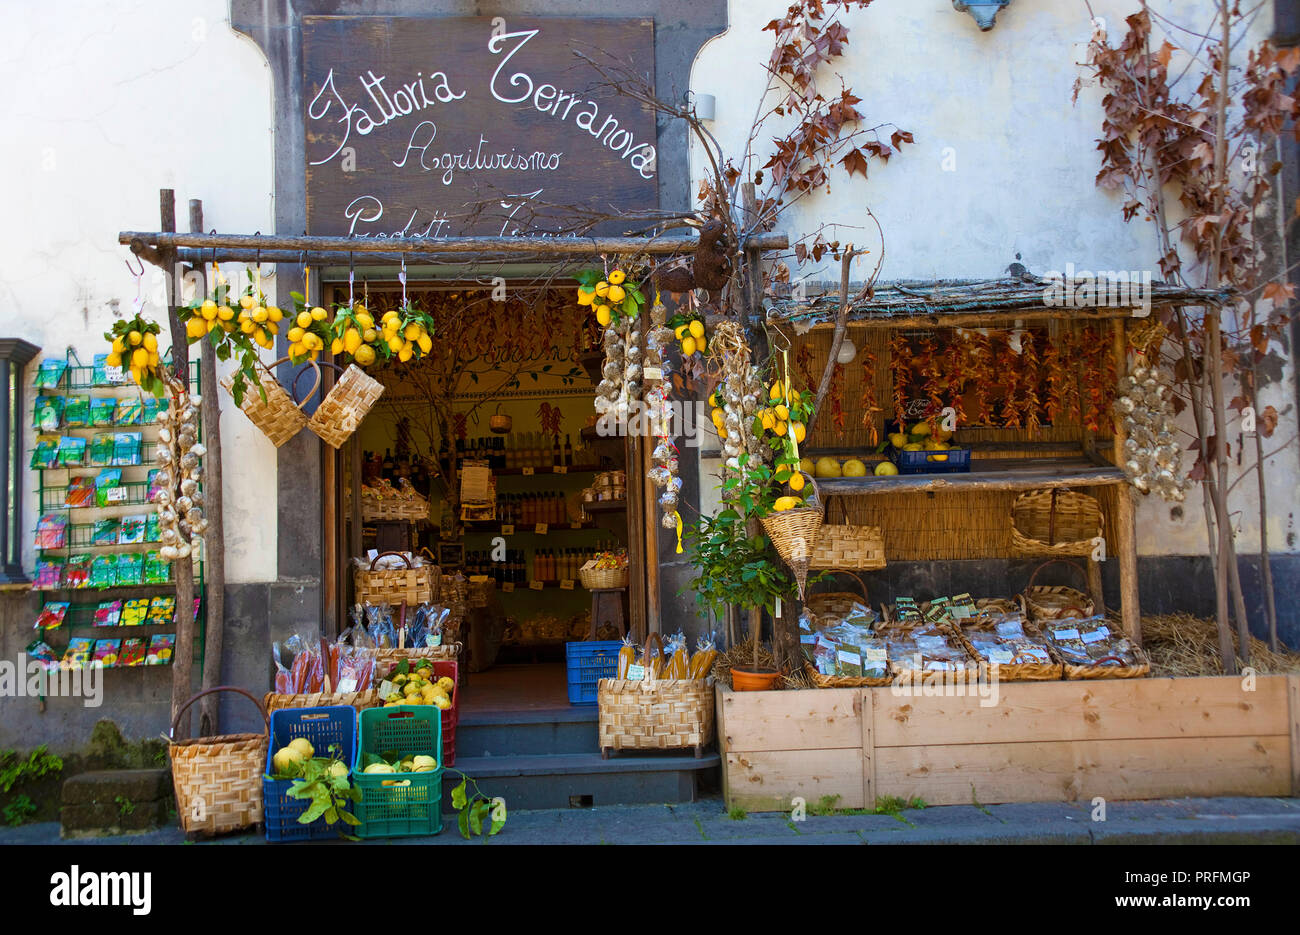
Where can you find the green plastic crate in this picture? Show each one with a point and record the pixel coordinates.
(412, 804)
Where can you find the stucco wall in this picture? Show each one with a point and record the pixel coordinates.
(108, 103)
(1002, 171)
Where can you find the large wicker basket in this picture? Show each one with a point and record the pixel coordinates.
(1052, 602)
(847, 548)
(388, 659)
(794, 534)
(359, 700)
(599, 579)
(340, 413)
(395, 585)
(664, 714)
(1055, 522)
(394, 510)
(278, 417)
(1106, 671)
(1026, 669)
(218, 780)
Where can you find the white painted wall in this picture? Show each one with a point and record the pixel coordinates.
(108, 102)
(999, 104)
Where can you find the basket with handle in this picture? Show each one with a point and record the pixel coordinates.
(794, 534)
(410, 585)
(278, 417)
(1023, 667)
(598, 579)
(218, 780)
(844, 547)
(655, 714)
(1053, 602)
(838, 604)
(347, 403)
(1055, 522)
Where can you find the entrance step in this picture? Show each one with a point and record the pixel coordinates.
(582, 780)
(547, 732)
(116, 801)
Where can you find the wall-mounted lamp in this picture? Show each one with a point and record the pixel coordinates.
(985, 11)
(704, 105)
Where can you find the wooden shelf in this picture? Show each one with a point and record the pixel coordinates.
(605, 506)
(563, 469)
(987, 475)
(491, 528)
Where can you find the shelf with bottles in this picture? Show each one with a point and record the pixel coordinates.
(520, 453)
(517, 568)
(497, 528)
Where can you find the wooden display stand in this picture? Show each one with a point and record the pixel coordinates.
(1042, 741)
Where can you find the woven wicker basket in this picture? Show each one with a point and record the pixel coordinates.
(665, 714)
(1019, 669)
(1099, 671)
(1055, 522)
(395, 585)
(598, 579)
(1052, 602)
(388, 659)
(218, 780)
(340, 413)
(278, 417)
(845, 681)
(359, 700)
(794, 534)
(408, 511)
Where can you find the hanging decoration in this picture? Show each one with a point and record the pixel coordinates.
(665, 472)
(1153, 459)
(177, 495)
(739, 394)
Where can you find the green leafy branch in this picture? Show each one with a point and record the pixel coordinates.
(476, 814)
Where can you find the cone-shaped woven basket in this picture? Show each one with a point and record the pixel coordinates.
(794, 533)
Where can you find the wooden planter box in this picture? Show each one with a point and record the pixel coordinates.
(1042, 741)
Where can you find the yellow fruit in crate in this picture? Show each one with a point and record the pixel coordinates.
(854, 468)
(886, 469)
(616, 277)
(897, 439)
(603, 317)
(379, 767)
(785, 503)
(442, 702)
(400, 679)
(931, 445)
(938, 457)
(797, 482)
(912, 446)
(616, 294)
(828, 467)
(273, 313)
(303, 746)
(425, 342)
(688, 346)
(319, 314)
(920, 429)
(287, 761)
(423, 764)
(446, 683)
(808, 466)
(134, 338)
(365, 355)
(338, 769)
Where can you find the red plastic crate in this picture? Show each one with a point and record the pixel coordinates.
(449, 668)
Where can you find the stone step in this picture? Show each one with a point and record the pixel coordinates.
(555, 731)
(115, 801)
(583, 780)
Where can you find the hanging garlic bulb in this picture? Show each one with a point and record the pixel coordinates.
(179, 503)
(1153, 458)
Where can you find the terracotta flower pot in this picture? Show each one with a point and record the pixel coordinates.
(750, 679)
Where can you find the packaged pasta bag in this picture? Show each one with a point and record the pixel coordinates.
(626, 656)
(678, 657)
(379, 624)
(701, 664)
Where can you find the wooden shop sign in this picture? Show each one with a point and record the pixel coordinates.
(446, 127)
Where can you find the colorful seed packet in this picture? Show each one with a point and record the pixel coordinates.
(108, 487)
(101, 449)
(72, 451)
(160, 649)
(49, 574)
(101, 410)
(46, 452)
(127, 447)
(129, 410)
(51, 615)
(107, 614)
(76, 412)
(107, 654)
(133, 651)
(76, 574)
(47, 414)
(162, 611)
(156, 571)
(152, 406)
(154, 485)
(103, 571)
(132, 530)
(130, 569)
(50, 373)
(105, 532)
(52, 531)
(80, 492)
(151, 530)
(77, 655)
(197, 602)
(104, 374)
(43, 653)
(134, 612)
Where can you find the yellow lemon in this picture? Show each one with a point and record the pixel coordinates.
(681, 331)
(886, 469)
(363, 318)
(319, 314)
(209, 312)
(807, 466)
(781, 428)
(797, 482)
(616, 294)
(395, 344)
(425, 342)
(336, 346)
(767, 419)
(247, 326)
(799, 431)
(194, 328)
(150, 342)
(405, 353)
(602, 289)
(697, 328)
(260, 314)
(412, 331)
(225, 313)
(782, 411)
(295, 334)
(897, 439)
(303, 320)
(776, 392)
(365, 355)
(603, 318)
(785, 503)
(586, 296)
(351, 340)
(854, 468)
(616, 277)
(828, 467)
(701, 345)
(114, 359)
(369, 335)
(912, 446)
(921, 428)
(139, 357)
(688, 346)
(273, 313)
(119, 343)
(134, 338)
(246, 301)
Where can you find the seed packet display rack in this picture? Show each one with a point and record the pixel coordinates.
(52, 485)
(955, 516)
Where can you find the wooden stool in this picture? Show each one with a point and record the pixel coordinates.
(607, 608)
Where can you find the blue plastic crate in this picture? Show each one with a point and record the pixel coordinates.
(399, 804)
(587, 663)
(952, 461)
(323, 728)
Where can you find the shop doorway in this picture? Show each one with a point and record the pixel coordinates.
(508, 383)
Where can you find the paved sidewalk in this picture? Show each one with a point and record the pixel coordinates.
(1167, 821)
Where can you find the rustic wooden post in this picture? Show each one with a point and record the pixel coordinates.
(214, 540)
(182, 569)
